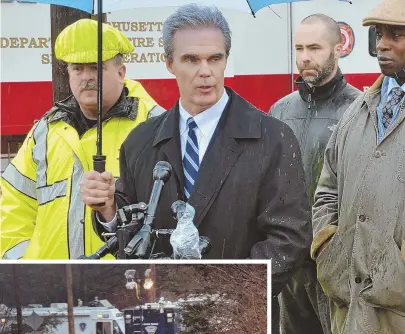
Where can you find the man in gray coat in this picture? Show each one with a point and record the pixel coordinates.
(312, 112)
(358, 214)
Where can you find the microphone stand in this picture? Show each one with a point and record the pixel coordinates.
(141, 242)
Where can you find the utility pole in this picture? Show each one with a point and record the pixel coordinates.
(83, 285)
(153, 290)
(17, 300)
(68, 268)
(61, 17)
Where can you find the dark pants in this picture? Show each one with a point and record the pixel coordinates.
(304, 308)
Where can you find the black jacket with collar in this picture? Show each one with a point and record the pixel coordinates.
(313, 113)
(250, 197)
(68, 110)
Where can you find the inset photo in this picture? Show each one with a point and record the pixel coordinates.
(133, 298)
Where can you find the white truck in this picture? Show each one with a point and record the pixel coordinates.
(103, 318)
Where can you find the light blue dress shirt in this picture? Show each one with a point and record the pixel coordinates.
(386, 92)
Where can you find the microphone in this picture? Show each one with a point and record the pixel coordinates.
(204, 245)
(178, 210)
(102, 251)
(161, 174)
(140, 243)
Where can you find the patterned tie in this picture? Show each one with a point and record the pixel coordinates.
(191, 162)
(387, 111)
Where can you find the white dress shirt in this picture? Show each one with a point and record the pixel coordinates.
(206, 121)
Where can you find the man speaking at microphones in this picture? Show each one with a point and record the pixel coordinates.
(239, 169)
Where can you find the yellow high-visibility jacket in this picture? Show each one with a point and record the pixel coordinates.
(42, 214)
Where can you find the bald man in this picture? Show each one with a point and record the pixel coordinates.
(312, 112)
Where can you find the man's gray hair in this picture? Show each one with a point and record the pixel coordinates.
(119, 59)
(193, 16)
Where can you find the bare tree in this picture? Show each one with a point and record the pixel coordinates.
(239, 298)
(17, 300)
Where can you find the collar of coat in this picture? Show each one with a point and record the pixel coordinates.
(370, 97)
(69, 111)
(323, 92)
(376, 87)
(243, 124)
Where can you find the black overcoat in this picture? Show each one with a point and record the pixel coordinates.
(250, 196)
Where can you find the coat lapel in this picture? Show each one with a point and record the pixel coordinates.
(239, 121)
(372, 98)
(168, 136)
(212, 175)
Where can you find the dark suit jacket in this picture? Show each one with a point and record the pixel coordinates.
(250, 196)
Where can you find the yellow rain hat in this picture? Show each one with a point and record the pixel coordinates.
(77, 43)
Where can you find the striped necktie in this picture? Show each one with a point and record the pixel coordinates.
(191, 161)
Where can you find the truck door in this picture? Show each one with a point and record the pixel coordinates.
(103, 327)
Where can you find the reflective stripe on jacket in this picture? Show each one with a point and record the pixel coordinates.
(42, 215)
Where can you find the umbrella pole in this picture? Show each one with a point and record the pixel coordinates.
(99, 158)
(253, 13)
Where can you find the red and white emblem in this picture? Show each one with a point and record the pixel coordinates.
(348, 39)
